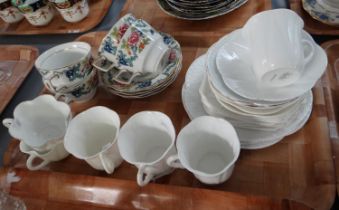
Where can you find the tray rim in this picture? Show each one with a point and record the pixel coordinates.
(35, 30)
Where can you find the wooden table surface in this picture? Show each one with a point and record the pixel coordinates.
(21, 60)
(299, 168)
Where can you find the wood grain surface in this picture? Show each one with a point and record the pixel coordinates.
(78, 192)
(194, 33)
(332, 50)
(311, 25)
(98, 10)
(22, 59)
(298, 168)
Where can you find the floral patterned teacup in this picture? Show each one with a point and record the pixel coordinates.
(65, 65)
(141, 52)
(37, 12)
(9, 13)
(110, 43)
(82, 92)
(72, 10)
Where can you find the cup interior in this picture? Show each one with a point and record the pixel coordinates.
(89, 139)
(144, 144)
(63, 56)
(207, 153)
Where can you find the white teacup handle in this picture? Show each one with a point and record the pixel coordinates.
(117, 79)
(145, 175)
(107, 164)
(8, 122)
(67, 100)
(29, 163)
(309, 56)
(96, 63)
(174, 162)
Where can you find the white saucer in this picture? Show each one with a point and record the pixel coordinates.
(233, 63)
(249, 139)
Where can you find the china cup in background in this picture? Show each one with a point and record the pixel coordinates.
(36, 12)
(72, 10)
(9, 13)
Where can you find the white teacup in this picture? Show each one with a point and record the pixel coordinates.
(92, 136)
(72, 10)
(146, 140)
(40, 122)
(208, 147)
(55, 153)
(276, 45)
(9, 13)
(65, 65)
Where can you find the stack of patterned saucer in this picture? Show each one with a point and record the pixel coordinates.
(199, 9)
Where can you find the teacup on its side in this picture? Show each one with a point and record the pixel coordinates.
(146, 140)
(208, 147)
(110, 43)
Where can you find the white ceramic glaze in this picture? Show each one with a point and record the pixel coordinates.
(208, 147)
(146, 140)
(249, 138)
(56, 153)
(40, 122)
(76, 12)
(65, 65)
(92, 136)
(274, 39)
(41, 17)
(11, 15)
(240, 79)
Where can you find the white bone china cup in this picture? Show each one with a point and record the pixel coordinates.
(92, 136)
(276, 45)
(146, 140)
(40, 122)
(208, 147)
(56, 153)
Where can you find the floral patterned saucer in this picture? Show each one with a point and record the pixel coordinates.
(321, 12)
(147, 84)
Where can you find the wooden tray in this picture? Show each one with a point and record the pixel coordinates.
(298, 168)
(22, 59)
(332, 50)
(203, 32)
(311, 25)
(50, 190)
(98, 10)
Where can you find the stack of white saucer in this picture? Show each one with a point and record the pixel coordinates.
(259, 78)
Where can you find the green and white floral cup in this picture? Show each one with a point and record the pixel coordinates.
(72, 10)
(65, 65)
(36, 12)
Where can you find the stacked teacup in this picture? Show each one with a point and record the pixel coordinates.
(67, 71)
(259, 78)
(137, 61)
(40, 125)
